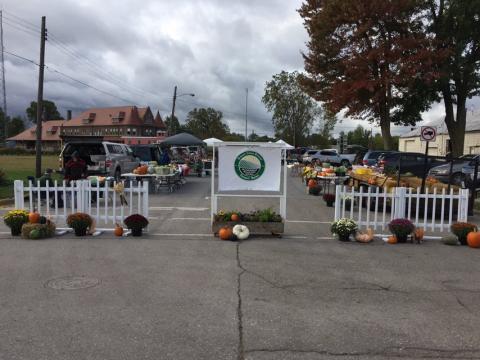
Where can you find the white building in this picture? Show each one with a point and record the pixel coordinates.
(410, 141)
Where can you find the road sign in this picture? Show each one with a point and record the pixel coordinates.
(428, 133)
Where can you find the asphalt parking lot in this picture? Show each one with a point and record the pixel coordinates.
(179, 293)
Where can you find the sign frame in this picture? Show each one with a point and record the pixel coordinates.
(426, 131)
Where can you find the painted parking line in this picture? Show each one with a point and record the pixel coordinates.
(308, 222)
(190, 218)
(171, 208)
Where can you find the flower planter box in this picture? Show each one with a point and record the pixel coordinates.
(255, 228)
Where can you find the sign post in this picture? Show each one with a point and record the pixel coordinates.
(427, 134)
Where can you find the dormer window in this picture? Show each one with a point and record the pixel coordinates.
(119, 117)
(90, 119)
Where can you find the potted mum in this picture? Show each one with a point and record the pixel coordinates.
(343, 228)
(14, 219)
(329, 199)
(462, 229)
(136, 223)
(401, 228)
(80, 223)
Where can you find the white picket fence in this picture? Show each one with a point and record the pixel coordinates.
(101, 203)
(431, 210)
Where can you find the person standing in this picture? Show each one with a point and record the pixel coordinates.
(75, 168)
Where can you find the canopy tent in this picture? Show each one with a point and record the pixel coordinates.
(287, 145)
(211, 141)
(182, 139)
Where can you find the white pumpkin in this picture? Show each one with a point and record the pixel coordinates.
(241, 232)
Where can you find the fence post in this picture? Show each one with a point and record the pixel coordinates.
(464, 195)
(400, 200)
(338, 202)
(18, 194)
(145, 199)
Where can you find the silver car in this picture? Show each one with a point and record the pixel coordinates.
(102, 158)
(461, 170)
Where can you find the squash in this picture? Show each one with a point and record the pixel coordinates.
(450, 239)
(365, 237)
(418, 234)
(311, 183)
(33, 217)
(35, 234)
(225, 233)
(473, 239)
(235, 217)
(118, 230)
(241, 232)
(372, 181)
(392, 239)
(42, 220)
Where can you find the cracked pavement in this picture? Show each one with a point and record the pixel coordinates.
(301, 297)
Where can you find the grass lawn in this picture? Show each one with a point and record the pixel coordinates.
(18, 167)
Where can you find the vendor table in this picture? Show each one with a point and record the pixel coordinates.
(170, 181)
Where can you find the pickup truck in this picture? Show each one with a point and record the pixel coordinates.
(329, 156)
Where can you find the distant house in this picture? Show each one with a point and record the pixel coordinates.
(410, 142)
(51, 140)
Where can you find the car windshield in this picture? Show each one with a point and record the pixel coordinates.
(311, 152)
(144, 153)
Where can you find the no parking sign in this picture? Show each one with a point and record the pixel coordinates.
(428, 133)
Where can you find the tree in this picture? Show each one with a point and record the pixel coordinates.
(369, 58)
(50, 111)
(233, 137)
(206, 123)
(329, 120)
(455, 26)
(15, 126)
(173, 127)
(359, 136)
(318, 140)
(293, 111)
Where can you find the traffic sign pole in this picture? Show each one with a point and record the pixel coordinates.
(425, 167)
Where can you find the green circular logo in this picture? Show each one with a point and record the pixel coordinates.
(249, 165)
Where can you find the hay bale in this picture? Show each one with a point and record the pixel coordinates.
(46, 230)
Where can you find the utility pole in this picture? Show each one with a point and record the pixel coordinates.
(38, 143)
(5, 135)
(246, 115)
(169, 130)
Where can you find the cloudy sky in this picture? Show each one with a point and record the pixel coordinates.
(139, 50)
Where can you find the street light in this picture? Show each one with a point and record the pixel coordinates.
(173, 106)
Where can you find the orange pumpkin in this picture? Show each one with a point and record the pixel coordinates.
(225, 233)
(473, 239)
(329, 171)
(392, 239)
(33, 217)
(372, 181)
(311, 183)
(419, 233)
(118, 230)
(235, 217)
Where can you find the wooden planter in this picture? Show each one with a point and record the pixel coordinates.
(255, 228)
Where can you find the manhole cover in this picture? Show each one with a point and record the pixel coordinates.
(72, 283)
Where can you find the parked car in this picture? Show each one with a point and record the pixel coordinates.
(330, 156)
(147, 153)
(411, 162)
(462, 170)
(370, 158)
(102, 158)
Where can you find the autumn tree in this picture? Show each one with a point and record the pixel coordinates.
(369, 58)
(50, 111)
(206, 123)
(293, 111)
(173, 126)
(455, 26)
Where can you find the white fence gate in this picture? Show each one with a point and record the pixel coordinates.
(101, 203)
(374, 209)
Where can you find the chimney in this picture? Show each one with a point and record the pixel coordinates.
(69, 114)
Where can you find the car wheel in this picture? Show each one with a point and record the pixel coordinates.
(345, 163)
(458, 178)
(118, 174)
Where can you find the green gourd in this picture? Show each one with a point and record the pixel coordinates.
(450, 239)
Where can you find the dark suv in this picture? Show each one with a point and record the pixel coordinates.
(370, 158)
(411, 162)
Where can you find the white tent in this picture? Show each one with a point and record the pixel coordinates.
(211, 141)
(287, 145)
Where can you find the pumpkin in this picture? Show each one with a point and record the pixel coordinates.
(235, 217)
(311, 183)
(241, 232)
(473, 239)
(372, 181)
(329, 171)
(392, 239)
(419, 233)
(365, 237)
(118, 230)
(33, 217)
(225, 233)
(450, 239)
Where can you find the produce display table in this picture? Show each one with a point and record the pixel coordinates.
(156, 181)
(330, 182)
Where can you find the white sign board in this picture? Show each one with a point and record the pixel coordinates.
(428, 133)
(249, 168)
